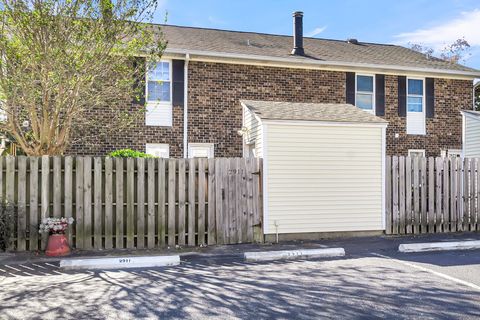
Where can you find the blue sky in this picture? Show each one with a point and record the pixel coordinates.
(433, 23)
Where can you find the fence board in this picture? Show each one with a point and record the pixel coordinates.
(79, 202)
(416, 194)
(401, 197)
(202, 186)
(191, 201)
(171, 203)
(161, 218)
(438, 194)
(477, 212)
(68, 192)
(408, 195)
(395, 187)
(33, 224)
(10, 191)
(446, 194)
(431, 194)
(87, 202)
(212, 192)
(219, 195)
(181, 201)
(57, 187)
(423, 191)
(249, 197)
(140, 203)
(108, 203)
(472, 193)
(150, 203)
(130, 214)
(258, 201)
(119, 204)
(466, 194)
(97, 203)
(45, 191)
(22, 204)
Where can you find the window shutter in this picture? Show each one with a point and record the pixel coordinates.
(350, 88)
(380, 94)
(139, 83)
(402, 96)
(178, 79)
(430, 97)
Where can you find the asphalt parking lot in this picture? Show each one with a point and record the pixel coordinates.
(382, 284)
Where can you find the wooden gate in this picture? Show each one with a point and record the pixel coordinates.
(135, 203)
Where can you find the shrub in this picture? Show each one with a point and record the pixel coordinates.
(7, 224)
(129, 153)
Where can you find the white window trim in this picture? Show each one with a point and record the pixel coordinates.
(210, 146)
(163, 146)
(374, 107)
(424, 130)
(455, 152)
(170, 70)
(410, 151)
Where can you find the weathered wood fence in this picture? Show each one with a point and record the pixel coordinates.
(135, 203)
(432, 195)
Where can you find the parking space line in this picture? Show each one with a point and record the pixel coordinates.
(438, 274)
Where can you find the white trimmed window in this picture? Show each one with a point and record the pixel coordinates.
(454, 153)
(201, 150)
(365, 92)
(416, 153)
(415, 106)
(160, 150)
(159, 94)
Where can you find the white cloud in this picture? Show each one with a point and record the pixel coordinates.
(467, 26)
(315, 32)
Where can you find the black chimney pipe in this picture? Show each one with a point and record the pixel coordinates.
(298, 34)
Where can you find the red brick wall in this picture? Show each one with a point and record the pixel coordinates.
(215, 114)
(214, 111)
(444, 131)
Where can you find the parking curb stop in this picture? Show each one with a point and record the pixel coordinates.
(439, 246)
(294, 254)
(121, 262)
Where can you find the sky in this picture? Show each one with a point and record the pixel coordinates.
(432, 23)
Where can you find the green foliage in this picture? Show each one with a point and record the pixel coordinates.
(129, 153)
(7, 224)
(63, 61)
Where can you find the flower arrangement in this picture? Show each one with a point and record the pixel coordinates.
(55, 225)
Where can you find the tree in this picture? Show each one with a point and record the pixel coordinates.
(64, 62)
(454, 53)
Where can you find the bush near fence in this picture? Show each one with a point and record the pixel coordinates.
(432, 195)
(135, 203)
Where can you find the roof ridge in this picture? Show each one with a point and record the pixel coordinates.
(273, 34)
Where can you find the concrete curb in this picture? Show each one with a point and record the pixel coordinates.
(120, 262)
(294, 254)
(439, 246)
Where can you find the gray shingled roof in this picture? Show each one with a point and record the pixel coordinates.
(330, 112)
(316, 50)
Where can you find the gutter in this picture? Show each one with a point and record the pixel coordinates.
(305, 63)
(185, 106)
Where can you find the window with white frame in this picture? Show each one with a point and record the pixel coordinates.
(201, 150)
(416, 153)
(159, 150)
(159, 94)
(415, 106)
(365, 92)
(454, 153)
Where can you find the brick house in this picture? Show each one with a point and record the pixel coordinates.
(195, 109)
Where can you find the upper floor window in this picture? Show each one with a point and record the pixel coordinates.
(415, 95)
(365, 92)
(159, 88)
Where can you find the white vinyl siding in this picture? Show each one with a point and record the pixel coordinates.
(472, 137)
(323, 178)
(159, 150)
(158, 94)
(416, 106)
(254, 131)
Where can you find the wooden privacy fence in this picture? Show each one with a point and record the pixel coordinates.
(135, 203)
(431, 195)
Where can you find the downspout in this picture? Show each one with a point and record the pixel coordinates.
(185, 107)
